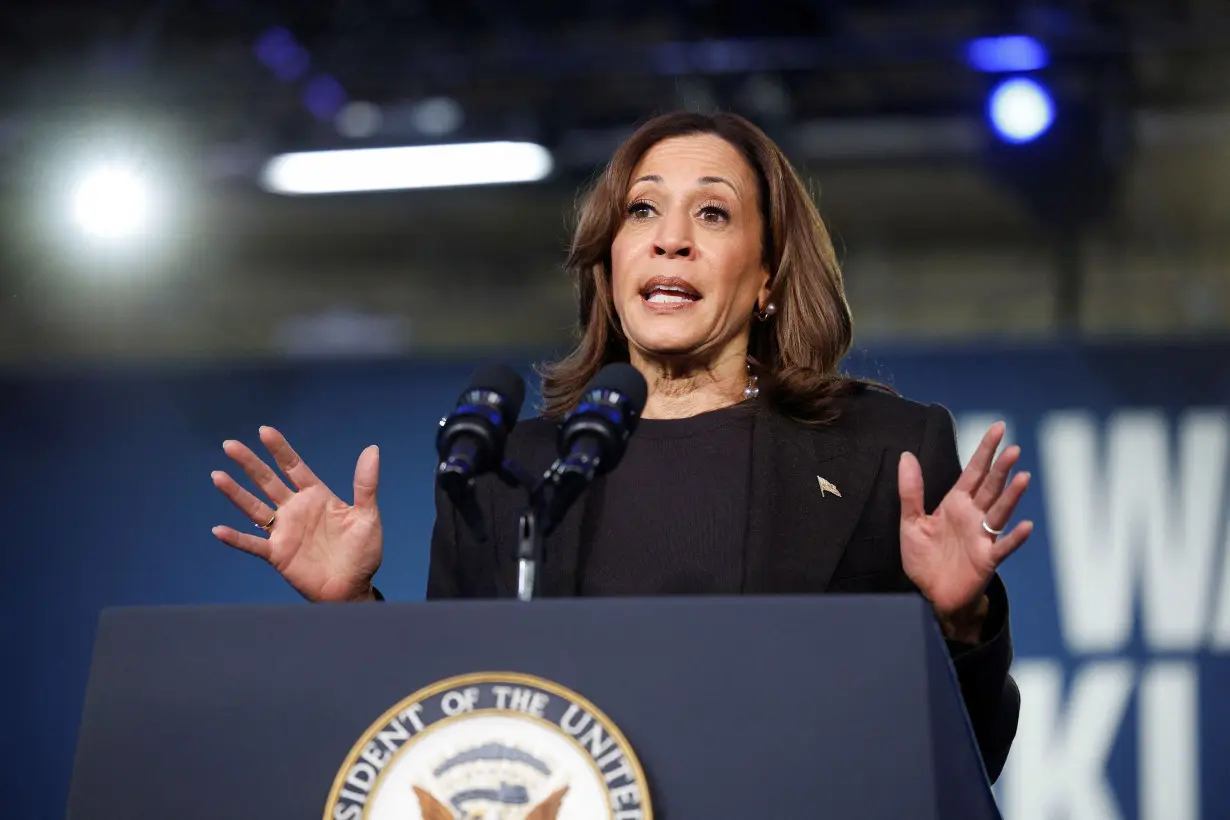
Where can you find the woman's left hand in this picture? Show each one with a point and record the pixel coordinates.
(949, 555)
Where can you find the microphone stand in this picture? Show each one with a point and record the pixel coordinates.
(529, 554)
(547, 501)
(529, 529)
(597, 430)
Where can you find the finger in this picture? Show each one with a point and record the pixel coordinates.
(910, 487)
(1001, 511)
(256, 510)
(288, 460)
(993, 485)
(1009, 543)
(366, 477)
(243, 541)
(980, 463)
(262, 474)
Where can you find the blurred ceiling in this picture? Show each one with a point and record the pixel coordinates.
(233, 80)
(873, 99)
(219, 86)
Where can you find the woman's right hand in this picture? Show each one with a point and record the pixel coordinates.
(326, 549)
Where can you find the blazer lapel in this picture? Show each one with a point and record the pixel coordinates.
(797, 528)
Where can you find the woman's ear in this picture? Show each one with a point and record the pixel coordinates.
(762, 296)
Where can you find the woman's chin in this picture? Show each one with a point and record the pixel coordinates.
(673, 346)
(674, 336)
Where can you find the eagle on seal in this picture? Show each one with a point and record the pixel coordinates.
(433, 809)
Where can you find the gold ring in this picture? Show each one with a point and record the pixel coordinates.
(267, 526)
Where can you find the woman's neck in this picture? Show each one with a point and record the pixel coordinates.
(680, 389)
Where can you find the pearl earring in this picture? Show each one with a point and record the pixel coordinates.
(753, 384)
(769, 310)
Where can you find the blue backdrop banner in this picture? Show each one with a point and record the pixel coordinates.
(1120, 600)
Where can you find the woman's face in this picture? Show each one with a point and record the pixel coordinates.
(686, 264)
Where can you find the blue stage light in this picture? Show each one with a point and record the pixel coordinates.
(1020, 110)
(1000, 55)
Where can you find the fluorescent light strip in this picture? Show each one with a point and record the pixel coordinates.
(392, 169)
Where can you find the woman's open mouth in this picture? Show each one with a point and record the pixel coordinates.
(670, 291)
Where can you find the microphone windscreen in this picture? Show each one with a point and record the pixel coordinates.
(503, 381)
(627, 380)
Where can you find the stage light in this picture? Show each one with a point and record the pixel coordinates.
(111, 203)
(359, 120)
(1020, 110)
(390, 169)
(437, 117)
(1011, 53)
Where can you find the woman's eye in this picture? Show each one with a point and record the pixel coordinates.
(714, 213)
(640, 210)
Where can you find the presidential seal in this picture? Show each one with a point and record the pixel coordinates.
(491, 746)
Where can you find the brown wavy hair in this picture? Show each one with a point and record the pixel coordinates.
(795, 353)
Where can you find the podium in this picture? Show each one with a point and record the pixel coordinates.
(680, 708)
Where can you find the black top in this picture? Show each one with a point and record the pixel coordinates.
(800, 537)
(672, 518)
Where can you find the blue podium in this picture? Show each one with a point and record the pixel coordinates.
(574, 709)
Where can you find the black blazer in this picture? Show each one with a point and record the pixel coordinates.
(795, 544)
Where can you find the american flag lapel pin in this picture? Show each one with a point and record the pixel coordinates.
(827, 486)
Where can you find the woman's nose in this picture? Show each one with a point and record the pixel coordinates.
(673, 240)
(672, 249)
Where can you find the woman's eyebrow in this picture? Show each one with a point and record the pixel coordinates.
(701, 181)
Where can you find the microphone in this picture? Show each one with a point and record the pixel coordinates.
(593, 438)
(471, 439)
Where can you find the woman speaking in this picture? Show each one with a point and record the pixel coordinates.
(756, 468)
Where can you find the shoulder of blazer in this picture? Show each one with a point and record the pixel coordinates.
(876, 417)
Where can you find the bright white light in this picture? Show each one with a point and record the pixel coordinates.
(111, 203)
(1020, 110)
(390, 169)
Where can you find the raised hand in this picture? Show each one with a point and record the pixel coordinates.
(326, 549)
(951, 554)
